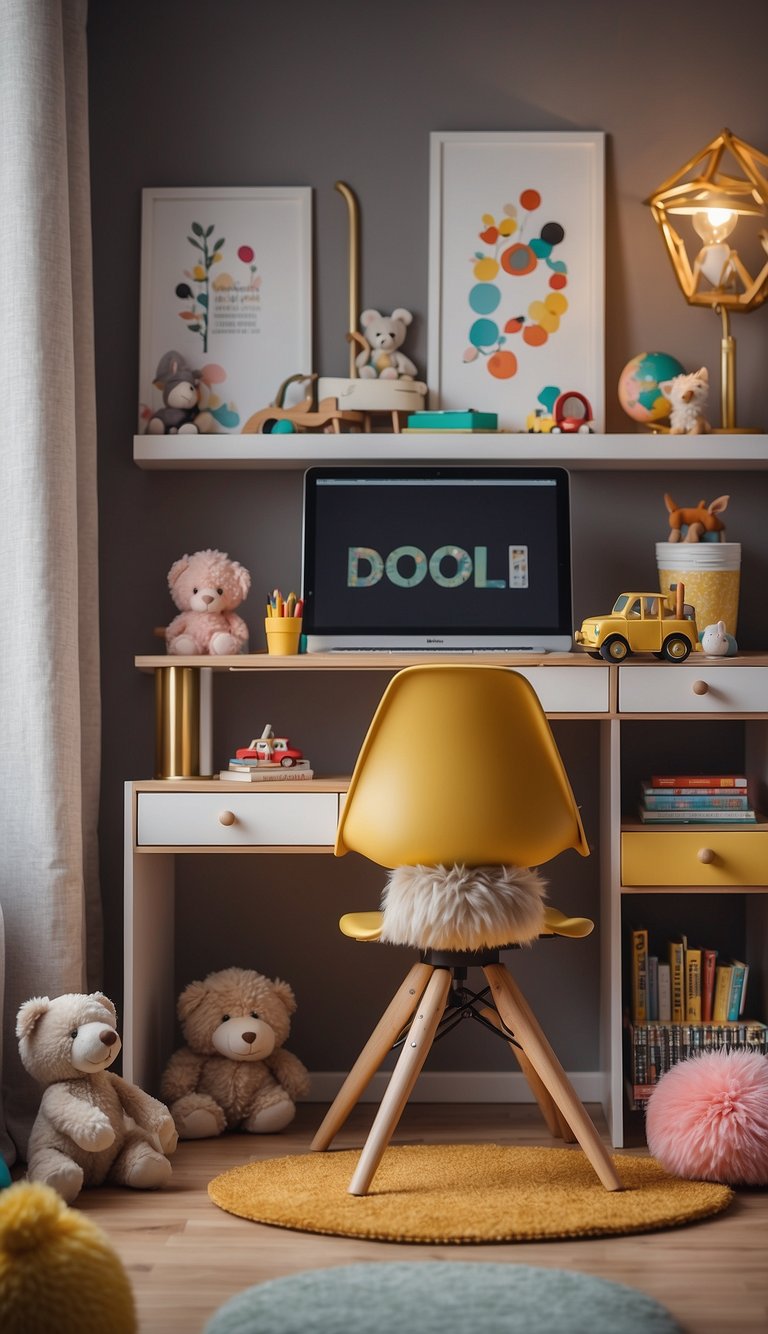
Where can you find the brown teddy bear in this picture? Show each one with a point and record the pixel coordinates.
(234, 1073)
(80, 1137)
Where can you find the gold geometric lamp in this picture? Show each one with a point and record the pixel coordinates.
(723, 187)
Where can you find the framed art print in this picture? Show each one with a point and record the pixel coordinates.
(226, 284)
(516, 273)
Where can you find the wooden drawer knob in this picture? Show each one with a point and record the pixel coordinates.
(227, 817)
(699, 687)
(706, 855)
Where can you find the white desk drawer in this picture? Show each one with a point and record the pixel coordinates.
(193, 819)
(693, 687)
(569, 689)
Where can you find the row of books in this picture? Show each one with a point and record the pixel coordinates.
(695, 799)
(687, 984)
(655, 1048)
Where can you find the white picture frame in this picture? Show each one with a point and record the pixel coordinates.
(491, 195)
(240, 313)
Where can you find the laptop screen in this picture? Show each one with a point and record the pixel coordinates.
(437, 558)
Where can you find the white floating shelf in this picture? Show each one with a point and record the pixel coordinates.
(741, 451)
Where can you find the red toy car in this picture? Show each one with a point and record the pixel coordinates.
(269, 749)
(572, 412)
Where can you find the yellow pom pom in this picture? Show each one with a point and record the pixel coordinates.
(59, 1274)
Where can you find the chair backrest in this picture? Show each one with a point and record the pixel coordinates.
(459, 766)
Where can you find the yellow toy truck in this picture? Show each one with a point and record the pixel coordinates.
(642, 623)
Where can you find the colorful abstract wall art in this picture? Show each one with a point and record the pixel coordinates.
(516, 272)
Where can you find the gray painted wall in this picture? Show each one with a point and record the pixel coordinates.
(249, 93)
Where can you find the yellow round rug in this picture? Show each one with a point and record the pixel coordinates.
(464, 1193)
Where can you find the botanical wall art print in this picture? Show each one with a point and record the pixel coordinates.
(226, 285)
(516, 272)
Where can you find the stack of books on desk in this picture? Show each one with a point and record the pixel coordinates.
(257, 771)
(696, 799)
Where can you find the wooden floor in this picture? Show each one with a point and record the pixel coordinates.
(185, 1257)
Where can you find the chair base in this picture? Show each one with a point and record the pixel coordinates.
(463, 959)
(422, 999)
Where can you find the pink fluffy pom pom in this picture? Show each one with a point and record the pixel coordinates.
(707, 1118)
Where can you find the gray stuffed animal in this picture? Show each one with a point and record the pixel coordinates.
(181, 395)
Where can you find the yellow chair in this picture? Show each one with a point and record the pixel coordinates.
(458, 789)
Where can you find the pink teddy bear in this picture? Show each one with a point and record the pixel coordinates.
(207, 587)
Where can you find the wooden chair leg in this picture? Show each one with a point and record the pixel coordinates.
(410, 1061)
(555, 1121)
(521, 1021)
(386, 1032)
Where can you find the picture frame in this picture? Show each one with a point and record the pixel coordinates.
(226, 282)
(516, 274)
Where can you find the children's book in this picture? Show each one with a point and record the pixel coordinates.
(693, 986)
(708, 964)
(738, 987)
(653, 988)
(677, 950)
(707, 815)
(723, 975)
(663, 799)
(639, 975)
(273, 775)
(665, 993)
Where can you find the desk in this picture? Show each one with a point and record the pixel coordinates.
(166, 817)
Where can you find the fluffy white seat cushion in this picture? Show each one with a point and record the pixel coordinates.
(462, 907)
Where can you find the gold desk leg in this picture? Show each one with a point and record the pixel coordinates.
(177, 722)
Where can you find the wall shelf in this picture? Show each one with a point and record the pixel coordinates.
(577, 452)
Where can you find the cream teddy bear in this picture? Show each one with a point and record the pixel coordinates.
(81, 1136)
(384, 335)
(206, 588)
(234, 1072)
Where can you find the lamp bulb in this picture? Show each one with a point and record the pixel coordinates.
(714, 224)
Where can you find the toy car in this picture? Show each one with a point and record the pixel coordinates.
(268, 749)
(539, 422)
(572, 412)
(641, 623)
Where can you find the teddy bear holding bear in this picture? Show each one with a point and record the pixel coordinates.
(234, 1072)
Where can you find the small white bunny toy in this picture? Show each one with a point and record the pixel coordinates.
(716, 642)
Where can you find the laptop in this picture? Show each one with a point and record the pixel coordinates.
(437, 559)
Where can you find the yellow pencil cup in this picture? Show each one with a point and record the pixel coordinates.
(283, 634)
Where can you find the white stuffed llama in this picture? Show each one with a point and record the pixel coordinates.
(688, 396)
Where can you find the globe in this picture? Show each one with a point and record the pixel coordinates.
(639, 392)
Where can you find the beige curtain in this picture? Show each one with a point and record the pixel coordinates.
(49, 666)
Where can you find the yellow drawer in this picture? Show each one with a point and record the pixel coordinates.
(704, 857)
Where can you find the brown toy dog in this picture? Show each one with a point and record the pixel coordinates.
(699, 519)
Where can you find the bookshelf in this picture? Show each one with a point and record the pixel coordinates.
(708, 882)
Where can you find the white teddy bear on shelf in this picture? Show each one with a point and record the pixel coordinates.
(384, 336)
